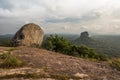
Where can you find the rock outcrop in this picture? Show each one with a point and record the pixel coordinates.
(84, 34)
(29, 35)
(42, 64)
(84, 39)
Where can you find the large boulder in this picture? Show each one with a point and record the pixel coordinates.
(29, 35)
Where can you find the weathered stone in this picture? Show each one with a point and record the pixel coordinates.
(29, 35)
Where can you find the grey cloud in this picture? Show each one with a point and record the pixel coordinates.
(6, 4)
(53, 20)
(85, 17)
(89, 16)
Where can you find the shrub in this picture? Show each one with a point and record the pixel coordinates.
(101, 57)
(10, 61)
(57, 44)
(115, 63)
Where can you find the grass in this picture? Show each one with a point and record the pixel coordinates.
(4, 56)
(10, 61)
(12, 49)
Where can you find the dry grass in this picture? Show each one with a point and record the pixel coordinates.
(10, 61)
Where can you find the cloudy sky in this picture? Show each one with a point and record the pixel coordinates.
(61, 16)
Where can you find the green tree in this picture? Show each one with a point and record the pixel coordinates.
(56, 43)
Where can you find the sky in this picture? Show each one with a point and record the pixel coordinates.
(61, 16)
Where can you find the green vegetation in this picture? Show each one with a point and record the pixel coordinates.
(106, 44)
(102, 57)
(5, 40)
(10, 61)
(59, 44)
(115, 63)
(5, 43)
(102, 44)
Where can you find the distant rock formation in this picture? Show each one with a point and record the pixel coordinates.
(84, 34)
(29, 35)
(84, 39)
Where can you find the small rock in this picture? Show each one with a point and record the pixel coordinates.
(81, 75)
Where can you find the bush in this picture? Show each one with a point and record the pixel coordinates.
(57, 44)
(115, 63)
(10, 61)
(86, 52)
(102, 57)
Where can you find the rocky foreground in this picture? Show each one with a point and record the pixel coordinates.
(48, 65)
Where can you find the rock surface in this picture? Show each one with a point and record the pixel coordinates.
(29, 35)
(48, 65)
(81, 75)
